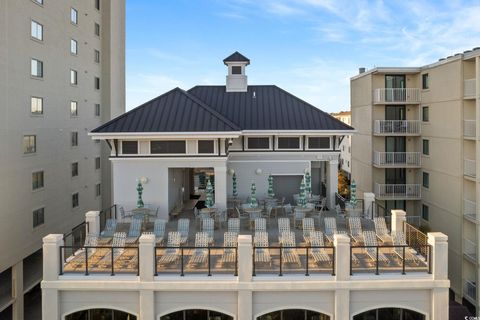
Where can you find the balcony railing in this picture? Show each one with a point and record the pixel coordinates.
(469, 128)
(397, 127)
(470, 249)
(396, 95)
(470, 210)
(398, 191)
(469, 88)
(469, 168)
(397, 159)
(470, 289)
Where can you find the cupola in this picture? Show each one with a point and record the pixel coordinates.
(236, 78)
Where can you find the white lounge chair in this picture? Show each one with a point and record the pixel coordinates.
(319, 255)
(159, 230)
(110, 227)
(183, 226)
(355, 226)
(260, 225)
(208, 226)
(399, 239)
(200, 253)
(308, 226)
(78, 257)
(234, 225)
(298, 216)
(382, 230)
(370, 239)
(230, 240)
(262, 253)
(118, 247)
(171, 253)
(289, 252)
(134, 231)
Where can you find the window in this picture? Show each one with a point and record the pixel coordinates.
(74, 169)
(258, 143)
(97, 56)
(97, 4)
(37, 68)
(172, 146)
(37, 180)
(73, 47)
(29, 144)
(97, 109)
(318, 143)
(425, 82)
(37, 31)
(129, 147)
(38, 217)
(73, 77)
(426, 147)
(425, 114)
(97, 163)
(98, 190)
(73, 108)
(288, 143)
(73, 16)
(38, 1)
(426, 180)
(36, 105)
(75, 200)
(74, 139)
(97, 83)
(425, 212)
(236, 70)
(206, 146)
(97, 29)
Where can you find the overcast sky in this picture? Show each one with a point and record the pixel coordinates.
(310, 48)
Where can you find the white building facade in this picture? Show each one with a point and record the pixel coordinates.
(346, 143)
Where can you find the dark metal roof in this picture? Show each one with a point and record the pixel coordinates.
(174, 111)
(266, 108)
(236, 57)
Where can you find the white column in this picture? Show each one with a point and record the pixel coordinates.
(245, 269)
(398, 218)
(341, 242)
(146, 256)
(342, 304)
(245, 305)
(440, 301)
(92, 218)
(439, 295)
(51, 269)
(332, 183)
(369, 204)
(147, 305)
(221, 186)
(17, 287)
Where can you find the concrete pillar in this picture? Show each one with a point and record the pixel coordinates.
(50, 305)
(398, 218)
(332, 183)
(17, 290)
(341, 242)
(147, 305)
(342, 304)
(245, 254)
(221, 186)
(245, 305)
(439, 243)
(439, 297)
(51, 270)
(369, 204)
(146, 257)
(92, 218)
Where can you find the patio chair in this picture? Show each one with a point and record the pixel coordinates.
(399, 239)
(260, 225)
(159, 230)
(319, 255)
(200, 253)
(234, 225)
(183, 226)
(283, 225)
(382, 230)
(288, 210)
(330, 224)
(355, 225)
(123, 214)
(208, 226)
(262, 253)
(110, 227)
(308, 226)
(370, 239)
(289, 252)
(230, 241)
(118, 247)
(134, 231)
(78, 257)
(172, 252)
(298, 217)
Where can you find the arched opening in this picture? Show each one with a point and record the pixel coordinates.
(389, 313)
(294, 314)
(196, 314)
(100, 314)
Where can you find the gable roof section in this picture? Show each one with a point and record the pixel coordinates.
(173, 111)
(236, 57)
(267, 108)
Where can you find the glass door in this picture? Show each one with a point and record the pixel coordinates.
(392, 84)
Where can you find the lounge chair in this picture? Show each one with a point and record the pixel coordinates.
(159, 230)
(370, 239)
(118, 247)
(134, 231)
(171, 253)
(110, 227)
(200, 253)
(78, 257)
(355, 226)
(234, 225)
(298, 216)
(319, 255)
(208, 226)
(399, 239)
(289, 252)
(382, 230)
(230, 239)
(308, 225)
(262, 253)
(183, 229)
(260, 225)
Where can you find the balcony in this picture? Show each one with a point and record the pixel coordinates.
(396, 96)
(397, 159)
(470, 250)
(470, 211)
(398, 191)
(469, 168)
(397, 128)
(469, 129)
(469, 91)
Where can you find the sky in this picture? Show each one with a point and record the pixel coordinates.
(310, 48)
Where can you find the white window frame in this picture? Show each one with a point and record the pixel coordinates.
(270, 143)
(37, 25)
(300, 144)
(34, 145)
(215, 146)
(73, 72)
(41, 102)
(31, 65)
(75, 23)
(307, 147)
(129, 154)
(72, 115)
(170, 154)
(73, 41)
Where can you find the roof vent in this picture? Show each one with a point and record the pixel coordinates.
(476, 48)
(236, 78)
(254, 95)
(441, 59)
(361, 70)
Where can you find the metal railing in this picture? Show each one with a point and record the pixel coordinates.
(469, 128)
(470, 289)
(181, 266)
(392, 266)
(108, 213)
(415, 238)
(469, 88)
(469, 168)
(470, 249)
(102, 260)
(398, 191)
(470, 210)
(396, 95)
(301, 266)
(397, 159)
(76, 237)
(344, 202)
(397, 127)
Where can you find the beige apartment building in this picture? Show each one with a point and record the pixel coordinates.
(346, 144)
(62, 74)
(416, 148)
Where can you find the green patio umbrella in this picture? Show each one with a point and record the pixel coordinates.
(253, 198)
(234, 188)
(271, 194)
(140, 191)
(302, 200)
(308, 183)
(353, 194)
(209, 198)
